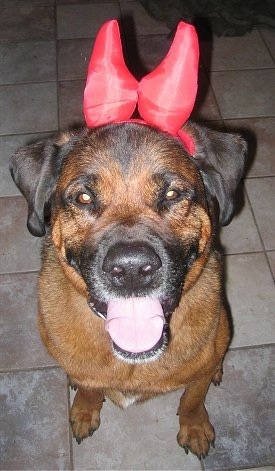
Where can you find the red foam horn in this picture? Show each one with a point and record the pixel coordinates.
(111, 90)
(167, 95)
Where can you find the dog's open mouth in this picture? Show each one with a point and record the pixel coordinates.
(136, 325)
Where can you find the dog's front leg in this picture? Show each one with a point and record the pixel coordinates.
(196, 432)
(85, 413)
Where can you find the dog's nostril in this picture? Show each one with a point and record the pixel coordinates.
(146, 269)
(117, 270)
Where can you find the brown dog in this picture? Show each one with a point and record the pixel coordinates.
(130, 291)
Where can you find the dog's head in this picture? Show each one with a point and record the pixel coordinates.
(130, 214)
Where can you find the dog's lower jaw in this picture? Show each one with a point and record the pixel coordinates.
(143, 357)
(135, 356)
(129, 357)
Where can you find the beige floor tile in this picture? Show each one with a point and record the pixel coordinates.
(271, 258)
(28, 61)
(18, 3)
(71, 103)
(34, 421)
(8, 145)
(251, 296)
(20, 251)
(20, 340)
(260, 136)
(21, 108)
(261, 194)
(269, 38)
(266, 468)
(145, 53)
(206, 107)
(249, 53)
(135, 20)
(71, 2)
(241, 235)
(245, 93)
(142, 437)
(242, 409)
(83, 20)
(25, 21)
(73, 58)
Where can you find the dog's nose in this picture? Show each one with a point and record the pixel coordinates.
(131, 265)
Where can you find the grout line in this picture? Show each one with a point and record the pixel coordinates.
(13, 196)
(26, 40)
(255, 69)
(266, 45)
(39, 134)
(245, 118)
(30, 369)
(259, 232)
(208, 76)
(252, 177)
(261, 176)
(33, 82)
(70, 437)
(269, 264)
(251, 347)
(202, 464)
(225, 254)
(251, 69)
(46, 131)
(57, 69)
(24, 272)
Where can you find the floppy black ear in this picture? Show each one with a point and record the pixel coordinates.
(221, 159)
(35, 169)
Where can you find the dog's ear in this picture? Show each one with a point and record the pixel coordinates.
(35, 169)
(221, 159)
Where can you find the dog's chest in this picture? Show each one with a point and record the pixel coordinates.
(129, 400)
(122, 399)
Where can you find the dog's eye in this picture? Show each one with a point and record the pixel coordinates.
(172, 195)
(84, 198)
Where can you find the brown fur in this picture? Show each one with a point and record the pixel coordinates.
(125, 158)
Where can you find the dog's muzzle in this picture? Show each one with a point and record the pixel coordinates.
(135, 285)
(136, 323)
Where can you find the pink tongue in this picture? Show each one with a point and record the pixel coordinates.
(135, 324)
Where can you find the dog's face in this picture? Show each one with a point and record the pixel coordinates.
(130, 216)
(130, 220)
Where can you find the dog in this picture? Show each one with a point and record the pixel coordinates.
(130, 290)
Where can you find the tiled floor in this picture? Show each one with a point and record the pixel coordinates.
(44, 48)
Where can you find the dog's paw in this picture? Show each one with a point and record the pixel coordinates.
(72, 385)
(84, 423)
(85, 413)
(196, 437)
(217, 378)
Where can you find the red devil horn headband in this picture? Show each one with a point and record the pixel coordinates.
(165, 97)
